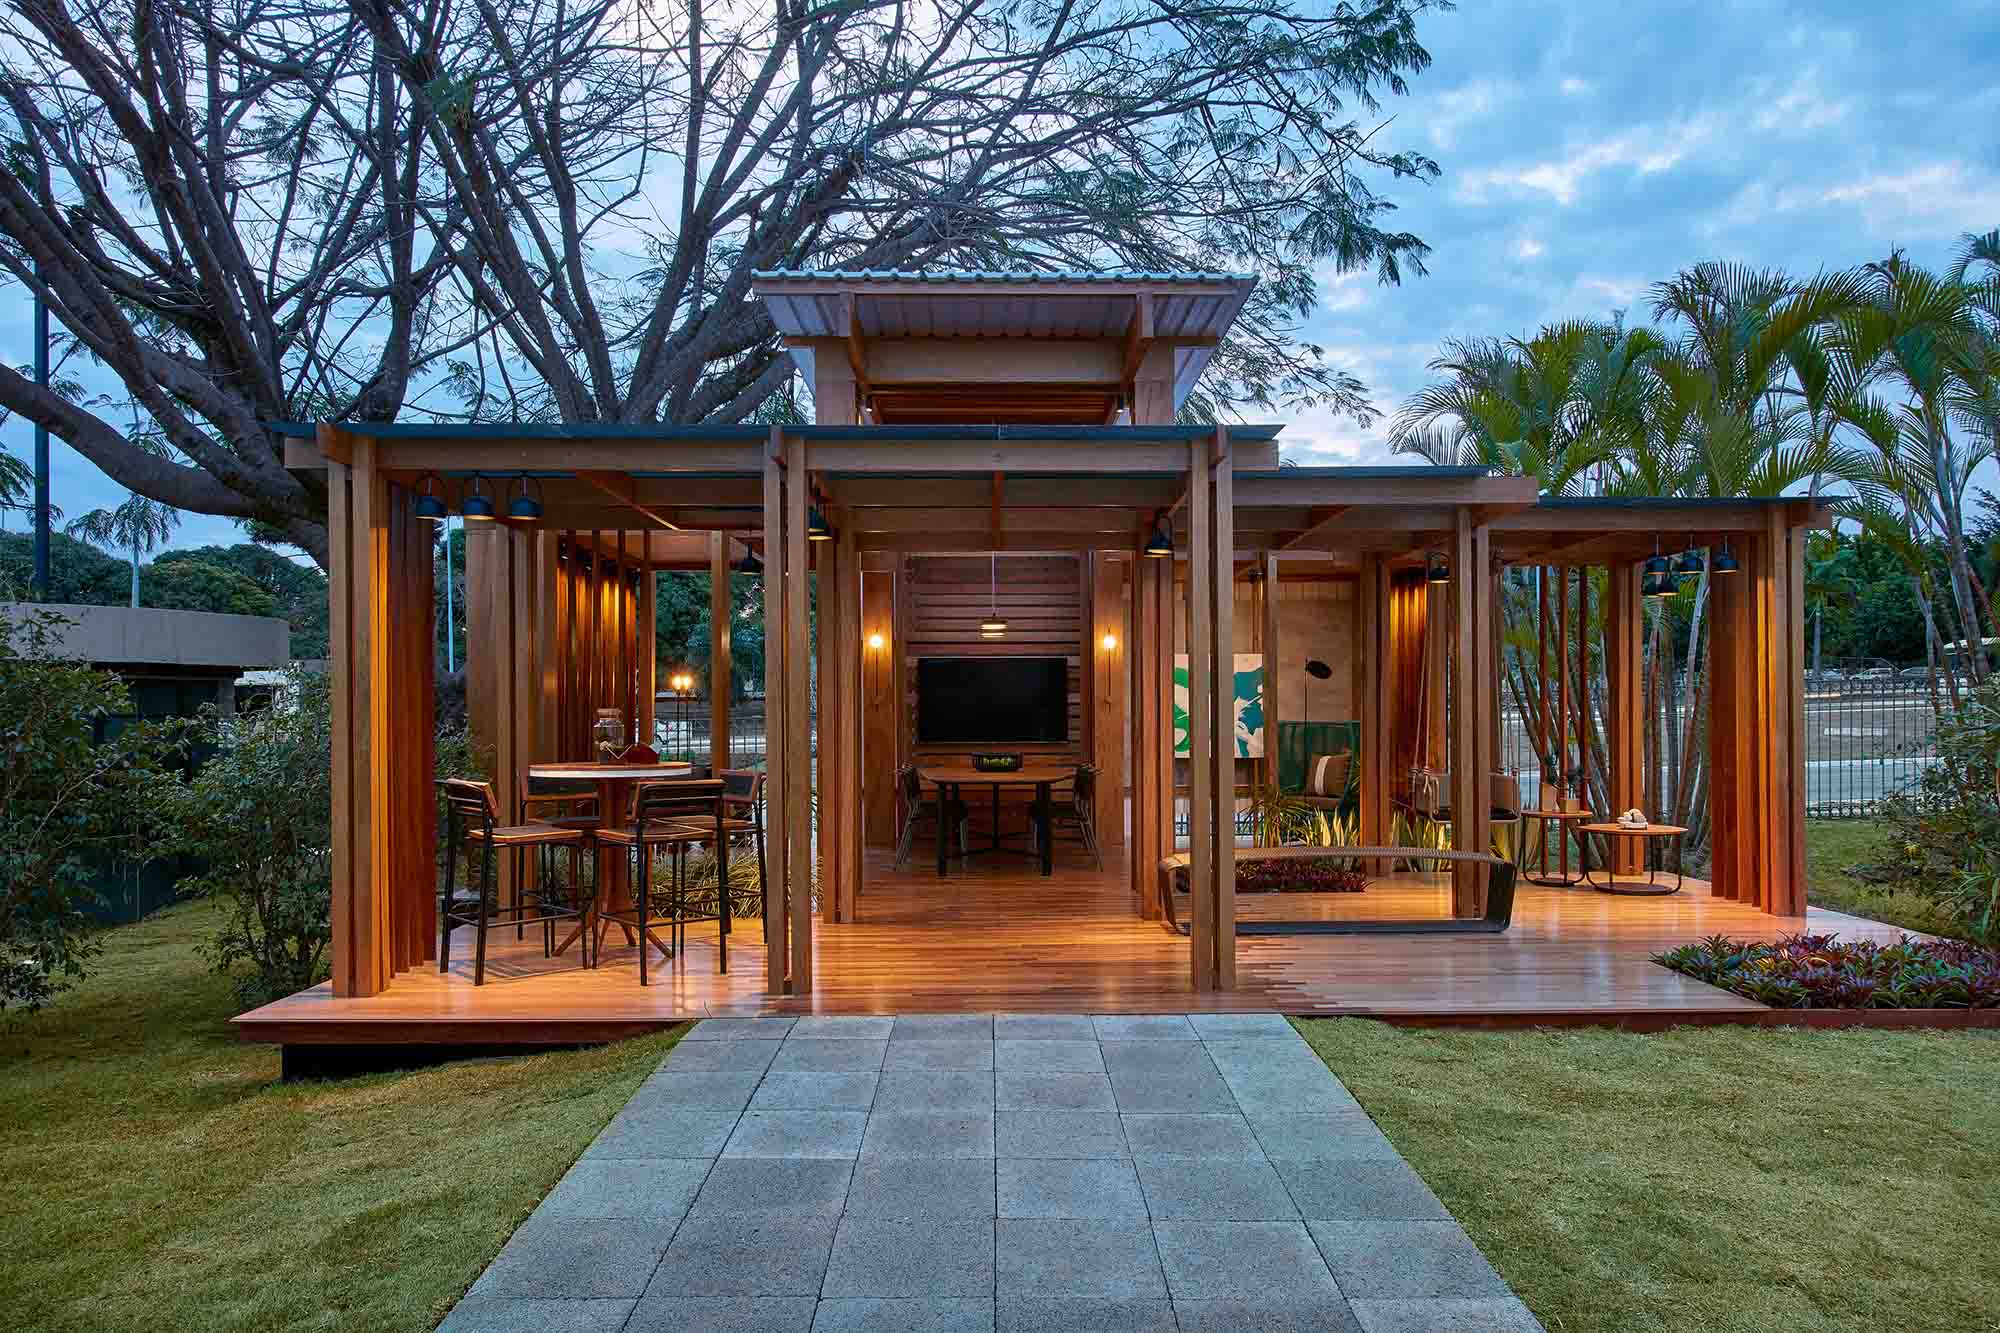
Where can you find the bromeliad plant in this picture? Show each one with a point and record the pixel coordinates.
(1310, 874)
(1821, 972)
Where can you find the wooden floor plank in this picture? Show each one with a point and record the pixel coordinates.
(1003, 938)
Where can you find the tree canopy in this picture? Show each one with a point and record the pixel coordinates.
(552, 211)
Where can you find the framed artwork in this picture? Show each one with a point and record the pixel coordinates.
(1247, 689)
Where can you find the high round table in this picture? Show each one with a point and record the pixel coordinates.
(950, 779)
(614, 782)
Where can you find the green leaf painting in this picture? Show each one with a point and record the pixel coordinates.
(1247, 681)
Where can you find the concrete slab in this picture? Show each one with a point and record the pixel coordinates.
(1505, 1315)
(502, 1314)
(1055, 1257)
(737, 1029)
(745, 1254)
(1022, 1091)
(1405, 1260)
(935, 1090)
(1048, 1056)
(1069, 1188)
(928, 1134)
(1214, 1189)
(1059, 1134)
(1143, 1027)
(940, 1053)
(663, 1131)
(1043, 1027)
(1272, 1261)
(689, 1056)
(871, 1315)
(657, 1189)
(797, 1134)
(1382, 1189)
(926, 1258)
(1219, 1134)
(829, 1056)
(698, 1091)
(722, 1314)
(575, 1257)
(799, 1186)
(851, 1026)
(910, 1188)
(815, 1092)
(1084, 1314)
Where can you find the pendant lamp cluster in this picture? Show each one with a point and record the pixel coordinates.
(1662, 577)
(524, 499)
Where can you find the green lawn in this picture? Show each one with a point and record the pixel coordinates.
(1706, 1179)
(1832, 846)
(158, 1175)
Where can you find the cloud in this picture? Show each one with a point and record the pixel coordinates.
(1450, 112)
(1646, 151)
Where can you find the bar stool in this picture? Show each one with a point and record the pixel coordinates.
(472, 815)
(743, 809)
(674, 816)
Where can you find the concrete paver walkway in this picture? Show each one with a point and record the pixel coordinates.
(933, 1174)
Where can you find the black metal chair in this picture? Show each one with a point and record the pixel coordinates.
(743, 799)
(1077, 811)
(674, 817)
(921, 809)
(472, 825)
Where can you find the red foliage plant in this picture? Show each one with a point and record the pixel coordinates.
(1820, 972)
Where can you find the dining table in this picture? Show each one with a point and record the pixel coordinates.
(951, 780)
(614, 781)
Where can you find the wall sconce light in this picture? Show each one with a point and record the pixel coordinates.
(875, 642)
(1110, 642)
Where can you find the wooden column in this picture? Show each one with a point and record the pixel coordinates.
(853, 777)
(1201, 718)
(828, 766)
(1149, 842)
(1374, 704)
(721, 672)
(645, 654)
(1222, 700)
(1625, 710)
(879, 703)
(798, 740)
(1469, 786)
(777, 769)
(1106, 573)
(384, 850)
(1735, 827)
(1484, 697)
(1270, 647)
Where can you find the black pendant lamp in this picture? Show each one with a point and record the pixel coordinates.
(816, 526)
(1689, 563)
(1160, 545)
(524, 505)
(1659, 576)
(1436, 568)
(1724, 562)
(749, 564)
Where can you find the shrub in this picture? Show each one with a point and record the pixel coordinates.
(68, 802)
(1305, 874)
(1820, 972)
(259, 817)
(1942, 834)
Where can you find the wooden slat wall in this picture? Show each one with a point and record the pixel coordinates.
(880, 744)
(603, 641)
(1105, 718)
(384, 849)
(1041, 596)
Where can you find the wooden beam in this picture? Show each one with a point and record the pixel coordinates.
(619, 487)
(1316, 521)
(1138, 336)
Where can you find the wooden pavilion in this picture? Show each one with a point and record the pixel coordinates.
(1006, 439)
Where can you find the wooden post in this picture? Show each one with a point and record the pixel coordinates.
(1373, 702)
(1222, 700)
(1734, 821)
(1623, 651)
(798, 741)
(1469, 786)
(1270, 647)
(827, 763)
(880, 709)
(1202, 796)
(1485, 698)
(721, 672)
(1106, 652)
(777, 774)
(1144, 659)
(849, 660)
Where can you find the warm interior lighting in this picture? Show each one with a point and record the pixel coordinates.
(875, 641)
(1110, 642)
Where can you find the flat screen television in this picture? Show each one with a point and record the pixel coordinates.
(992, 700)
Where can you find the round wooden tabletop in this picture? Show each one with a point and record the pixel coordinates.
(1632, 830)
(600, 772)
(1558, 814)
(1027, 773)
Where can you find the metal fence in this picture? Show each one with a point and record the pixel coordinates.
(1866, 736)
(681, 727)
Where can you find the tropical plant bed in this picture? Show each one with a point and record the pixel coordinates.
(1821, 972)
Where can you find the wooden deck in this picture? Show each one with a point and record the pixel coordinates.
(999, 938)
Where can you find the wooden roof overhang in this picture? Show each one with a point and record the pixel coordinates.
(1022, 488)
(1002, 348)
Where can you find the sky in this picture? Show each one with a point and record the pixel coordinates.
(1589, 150)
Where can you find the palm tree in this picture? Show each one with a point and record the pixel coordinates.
(1829, 577)
(138, 526)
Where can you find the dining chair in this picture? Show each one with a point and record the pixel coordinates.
(1077, 811)
(743, 799)
(472, 815)
(672, 817)
(921, 809)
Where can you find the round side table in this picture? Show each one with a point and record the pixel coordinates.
(1652, 838)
